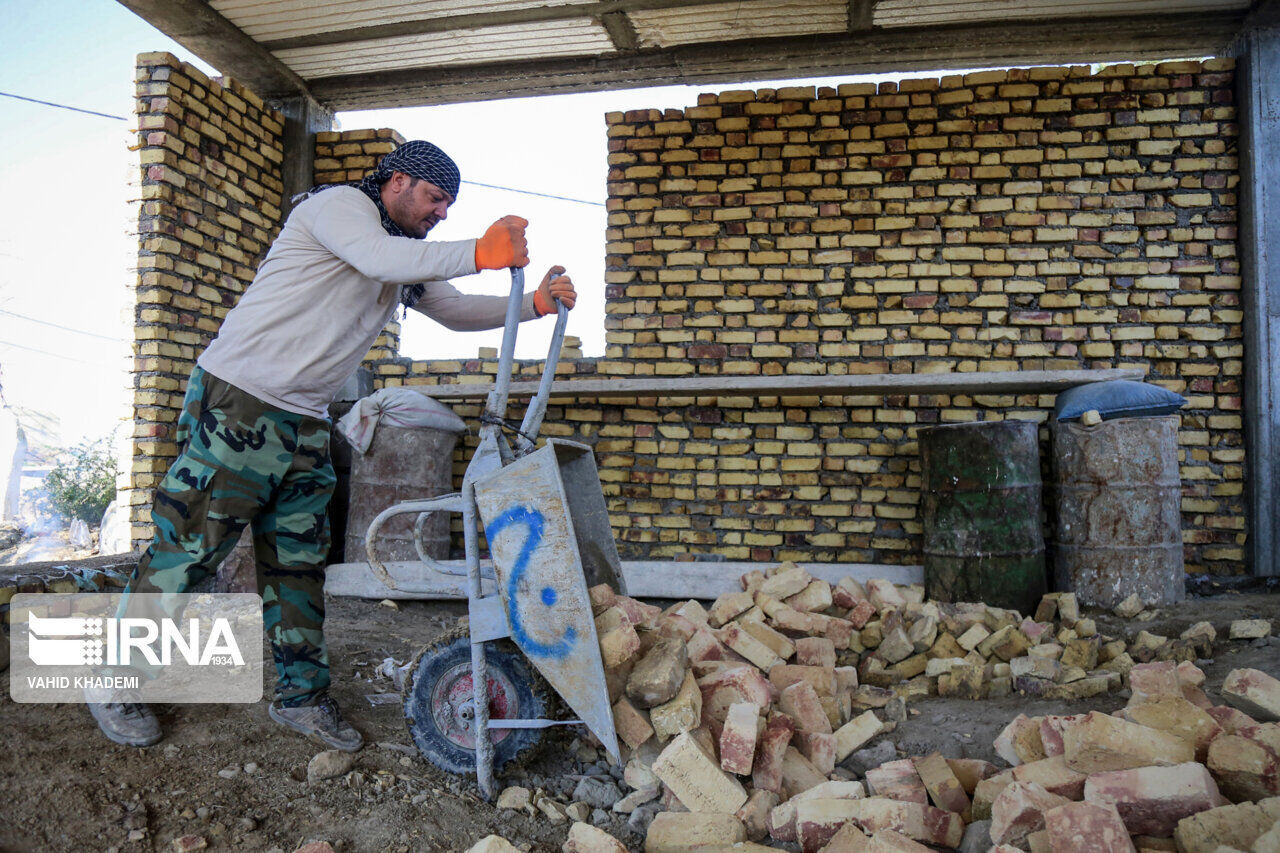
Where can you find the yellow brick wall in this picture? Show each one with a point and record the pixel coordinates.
(210, 154)
(1047, 218)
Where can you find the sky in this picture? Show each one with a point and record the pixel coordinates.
(67, 178)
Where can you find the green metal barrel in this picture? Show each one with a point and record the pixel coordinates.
(983, 539)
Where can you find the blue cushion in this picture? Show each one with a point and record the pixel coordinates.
(1120, 398)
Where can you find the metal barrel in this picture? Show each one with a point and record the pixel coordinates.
(401, 464)
(1119, 513)
(982, 534)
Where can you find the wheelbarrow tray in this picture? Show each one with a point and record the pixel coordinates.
(549, 537)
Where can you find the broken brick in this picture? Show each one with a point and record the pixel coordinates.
(1100, 742)
(1151, 800)
(1086, 828)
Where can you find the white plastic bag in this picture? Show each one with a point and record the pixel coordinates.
(397, 407)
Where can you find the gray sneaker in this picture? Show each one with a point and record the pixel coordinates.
(122, 718)
(321, 720)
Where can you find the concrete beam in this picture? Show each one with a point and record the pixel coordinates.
(200, 29)
(878, 50)
(303, 119)
(1258, 97)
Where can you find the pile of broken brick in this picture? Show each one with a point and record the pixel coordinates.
(736, 716)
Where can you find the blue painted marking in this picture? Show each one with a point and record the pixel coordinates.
(533, 521)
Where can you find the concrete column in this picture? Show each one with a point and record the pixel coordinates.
(304, 117)
(1258, 94)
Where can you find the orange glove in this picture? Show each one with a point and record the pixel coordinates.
(503, 245)
(555, 287)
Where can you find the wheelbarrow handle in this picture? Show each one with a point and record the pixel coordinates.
(496, 405)
(445, 503)
(527, 439)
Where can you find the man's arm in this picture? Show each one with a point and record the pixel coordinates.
(347, 224)
(464, 312)
(468, 312)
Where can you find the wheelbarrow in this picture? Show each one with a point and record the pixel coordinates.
(472, 702)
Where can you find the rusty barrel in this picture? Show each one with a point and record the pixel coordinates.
(982, 535)
(1119, 517)
(401, 464)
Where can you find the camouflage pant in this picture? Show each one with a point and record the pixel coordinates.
(244, 462)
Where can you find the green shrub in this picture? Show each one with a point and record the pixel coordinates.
(83, 481)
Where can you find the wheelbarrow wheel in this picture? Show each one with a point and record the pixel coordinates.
(438, 693)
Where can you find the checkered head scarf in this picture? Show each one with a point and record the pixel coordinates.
(417, 159)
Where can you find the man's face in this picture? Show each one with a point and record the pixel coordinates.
(414, 204)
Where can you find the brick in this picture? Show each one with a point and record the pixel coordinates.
(819, 749)
(777, 642)
(815, 651)
(1159, 678)
(585, 838)
(619, 645)
(1244, 768)
(798, 773)
(1100, 742)
(987, 791)
(856, 733)
(884, 595)
(1151, 800)
(1086, 828)
(697, 779)
(1020, 741)
(728, 606)
(897, 780)
(683, 832)
(971, 771)
(786, 583)
(945, 790)
(1237, 826)
(738, 738)
(1249, 629)
(1177, 716)
(683, 713)
(744, 643)
(1254, 692)
(737, 683)
(922, 823)
(822, 679)
(800, 702)
(817, 820)
(896, 645)
(1053, 775)
(767, 773)
(659, 674)
(631, 723)
(755, 813)
(782, 819)
(1019, 811)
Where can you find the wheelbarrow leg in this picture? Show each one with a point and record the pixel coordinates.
(479, 668)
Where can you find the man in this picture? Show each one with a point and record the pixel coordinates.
(254, 433)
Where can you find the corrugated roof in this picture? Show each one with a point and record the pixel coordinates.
(729, 21)
(916, 13)
(509, 44)
(266, 20)
(365, 54)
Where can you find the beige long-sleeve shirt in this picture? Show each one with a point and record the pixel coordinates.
(327, 287)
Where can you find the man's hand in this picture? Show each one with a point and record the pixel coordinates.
(503, 245)
(556, 286)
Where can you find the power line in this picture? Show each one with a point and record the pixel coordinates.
(64, 328)
(54, 354)
(473, 183)
(62, 106)
(541, 195)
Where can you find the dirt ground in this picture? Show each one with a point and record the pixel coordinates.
(230, 775)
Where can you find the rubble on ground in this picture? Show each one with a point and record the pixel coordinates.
(750, 721)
